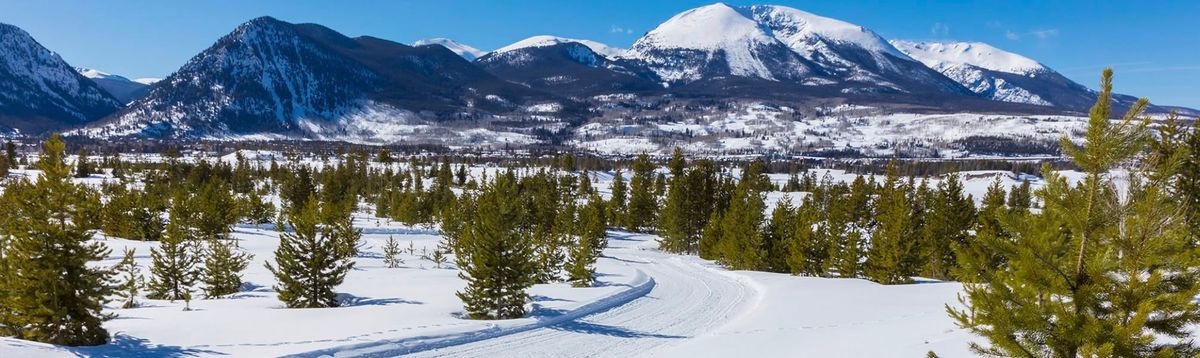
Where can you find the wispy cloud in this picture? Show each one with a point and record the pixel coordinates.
(620, 30)
(940, 29)
(1008, 34)
(1043, 34)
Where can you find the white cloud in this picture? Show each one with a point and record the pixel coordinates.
(1043, 34)
(620, 30)
(939, 29)
(1012, 35)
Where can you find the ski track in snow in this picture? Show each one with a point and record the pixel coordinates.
(682, 298)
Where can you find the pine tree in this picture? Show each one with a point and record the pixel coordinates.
(391, 251)
(741, 239)
(808, 246)
(892, 255)
(310, 261)
(946, 227)
(129, 280)
(173, 264)
(83, 168)
(5, 166)
(1188, 182)
(780, 229)
(495, 258)
(643, 207)
(50, 294)
(1092, 274)
(616, 204)
(591, 242)
(223, 266)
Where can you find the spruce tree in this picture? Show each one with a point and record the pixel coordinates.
(494, 257)
(83, 168)
(309, 262)
(780, 229)
(741, 238)
(1093, 273)
(808, 246)
(223, 266)
(173, 270)
(643, 205)
(591, 242)
(129, 280)
(616, 204)
(391, 252)
(50, 292)
(946, 226)
(892, 255)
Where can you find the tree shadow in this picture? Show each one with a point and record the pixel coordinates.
(349, 300)
(628, 261)
(578, 326)
(122, 345)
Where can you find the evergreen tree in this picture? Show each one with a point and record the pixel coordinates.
(616, 204)
(309, 262)
(808, 247)
(173, 264)
(892, 255)
(1188, 181)
(5, 165)
(50, 294)
(129, 280)
(591, 242)
(643, 205)
(391, 251)
(1021, 196)
(779, 232)
(223, 266)
(1093, 274)
(495, 258)
(741, 240)
(946, 226)
(83, 168)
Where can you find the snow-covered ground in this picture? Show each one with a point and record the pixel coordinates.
(647, 303)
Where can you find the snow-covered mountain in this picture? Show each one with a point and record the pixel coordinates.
(467, 52)
(547, 40)
(41, 92)
(781, 44)
(277, 78)
(123, 89)
(719, 40)
(566, 66)
(1004, 76)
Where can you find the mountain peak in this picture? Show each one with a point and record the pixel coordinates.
(466, 51)
(548, 40)
(940, 55)
(795, 27)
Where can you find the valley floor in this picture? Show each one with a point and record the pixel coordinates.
(647, 303)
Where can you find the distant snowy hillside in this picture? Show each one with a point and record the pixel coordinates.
(547, 40)
(124, 89)
(467, 52)
(40, 92)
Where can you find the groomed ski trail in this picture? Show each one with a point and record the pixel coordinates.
(684, 298)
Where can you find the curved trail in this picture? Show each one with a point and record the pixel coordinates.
(687, 299)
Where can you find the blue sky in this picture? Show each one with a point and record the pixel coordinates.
(1154, 46)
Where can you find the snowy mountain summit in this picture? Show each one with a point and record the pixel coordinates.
(997, 74)
(547, 40)
(778, 43)
(466, 51)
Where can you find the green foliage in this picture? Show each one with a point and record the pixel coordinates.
(173, 264)
(495, 258)
(391, 251)
(311, 261)
(223, 266)
(591, 242)
(48, 291)
(740, 245)
(892, 257)
(643, 205)
(1093, 273)
(129, 280)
